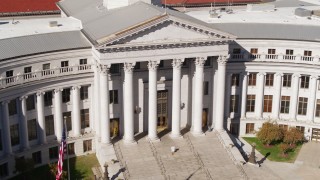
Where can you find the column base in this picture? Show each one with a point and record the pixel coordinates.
(197, 134)
(176, 136)
(129, 142)
(153, 139)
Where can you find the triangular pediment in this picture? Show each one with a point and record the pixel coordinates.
(167, 31)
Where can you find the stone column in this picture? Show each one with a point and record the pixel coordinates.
(294, 96)
(198, 97)
(152, 125)
(227, 95)
(41, 120)
(58, 119)
(76, 124)
(128, 103)
(277, 96)
(259, 96)
(96, 103)
(176, 98)
(104, 104)
(23, 123)
(222, 62)
(312, 101)
(6, 128)
(244, 95)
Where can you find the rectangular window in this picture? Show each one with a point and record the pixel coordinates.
(84, 92)
(303, 104)
(85, 120)
(307, 53)
(46, 69)
(205, 88)
(48, 98)
(83, 61)
(36, 156)
(249, 128)
(236, 51)
(28, 69)
(46, 66)
(67, 116)
(12, 107)
(305, 81)
(87, 145)
(113, 94)
(287, 80)
(283, 126)
(4, 170)
(252, 79)
(234, 102)
(66, 95)
(254, 50)
(137, 66)
(267, 103)
(9, 73)
(271, 51)
(64, 66)
(285, 104)
(289, 52)
(49, 125)
(32, 129)
(115, 68)
(269, 79)
(300, 128)
(318, 108)
(71, 149)
(251, 103)
(235, 80)
(54, 153)
(14, 133)
(30, 103)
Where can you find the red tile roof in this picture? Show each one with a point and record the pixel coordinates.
(199, 2)
(12, 6)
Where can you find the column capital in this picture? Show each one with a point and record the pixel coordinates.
(176, 63)
(244, 73)
(279, 74)
(223, 59)
(5, 102)
(104, 69)
(200, 61)
(314, 77)
(128, 67)
(58, 90)
(75, 87)
(262, 74)
(296, 75)
(152, 65)
(40, 93)
(23, 98)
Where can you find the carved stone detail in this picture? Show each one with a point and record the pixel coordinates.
(104, 69)
(200, 61)
(58, 90)
(176, 63)
(222, 60)
(128, 67)
(5, 102)
(23, 98)
(152, 65)
(76, 87)
(40, 93)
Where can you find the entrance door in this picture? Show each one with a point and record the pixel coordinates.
(114, 128)
(162, 110)
(204, 118)
(315, 134)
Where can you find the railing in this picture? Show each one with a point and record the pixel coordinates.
(43, 74)
(123, 165)
(276, 58)
(158, 160)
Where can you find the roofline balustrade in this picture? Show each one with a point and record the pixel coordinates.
(43, 74)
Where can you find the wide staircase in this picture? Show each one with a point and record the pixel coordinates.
(198, 158)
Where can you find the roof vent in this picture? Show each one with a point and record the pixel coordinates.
(53, 23)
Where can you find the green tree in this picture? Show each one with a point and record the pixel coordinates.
(284, 148)
(270, 133)
(54, 170)
(293, 136)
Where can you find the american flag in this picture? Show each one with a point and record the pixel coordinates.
(62, 150)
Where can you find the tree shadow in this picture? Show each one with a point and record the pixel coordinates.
(140, 136)
(118, 173)
(185, 130)
(163, 133)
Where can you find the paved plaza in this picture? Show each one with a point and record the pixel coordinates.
(208, 157)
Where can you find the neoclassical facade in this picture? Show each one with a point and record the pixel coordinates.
(159, 70)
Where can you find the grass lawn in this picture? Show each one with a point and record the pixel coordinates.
(80, 168)
(274, 152)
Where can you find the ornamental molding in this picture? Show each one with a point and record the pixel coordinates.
(152, 65)
(296, 75)
(128, 67)
(5, 102)
(314, 77)
(199, 61)
(40, 93)
(23, 98)
(76, 87)
(223, 59)
(58, 90)
(177, 63)
(104, 69)
(279, 74)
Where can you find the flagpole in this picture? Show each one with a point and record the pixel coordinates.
(66, 134)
